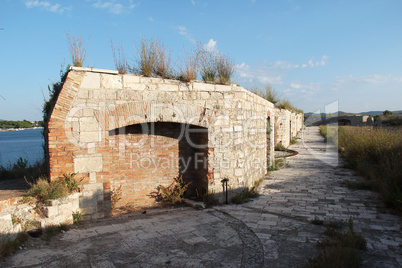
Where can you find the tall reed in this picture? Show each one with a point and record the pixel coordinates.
(377, 155)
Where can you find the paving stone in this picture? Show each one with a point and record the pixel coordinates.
(273, 230)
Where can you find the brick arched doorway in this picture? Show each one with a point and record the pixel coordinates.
(151, 154)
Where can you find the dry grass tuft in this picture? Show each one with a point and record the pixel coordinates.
(147, 55)
(120, 59)
(189, 66)
(207, 63)
(375, 154)
(77, 49)
(225, 68)
(162, 64)
(270, 93)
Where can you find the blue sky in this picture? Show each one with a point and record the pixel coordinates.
(312, 52)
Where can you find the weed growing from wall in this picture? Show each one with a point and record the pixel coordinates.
(146, 57)
(43, 190)
(162, 64)
(174, 193)
(225, 68)
(188, 68)
(119, 58)
(115, 196)
(208, 70)
(77, 49)
(78, 217)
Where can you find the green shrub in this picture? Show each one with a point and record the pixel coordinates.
(54, 92)
(286, 104)
(280, 147)
(174, 192)
(293, 141)
(272, 168)
(77, 217)
(242, 197)
(391, 120)
(43, 190)
(70, 182)
(247, 193)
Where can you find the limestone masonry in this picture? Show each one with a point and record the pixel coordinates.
(138, 133)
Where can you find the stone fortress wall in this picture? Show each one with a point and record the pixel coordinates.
(136, 133)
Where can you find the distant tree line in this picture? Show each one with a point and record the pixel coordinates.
(20, 124)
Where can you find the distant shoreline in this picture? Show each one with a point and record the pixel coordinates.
(18, 129)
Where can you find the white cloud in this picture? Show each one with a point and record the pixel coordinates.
(193, 2)
(312, 86)
(211, 45)
(150, 19)
(260, 75)
(296, 85)
(279, 64)
(313, 64)
(283, 65)
(184, 32)
(113, 6)
(36, 3)
(374, 79)
(46, 5)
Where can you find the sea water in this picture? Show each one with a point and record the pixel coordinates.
(27, 143)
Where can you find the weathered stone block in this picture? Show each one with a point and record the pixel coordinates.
(89, 124)
(203, 87)
(50, 211)
(88, 163)
(83, 94)
(86, 137)
(111, 81)
(168, 87)
(131, 81)
(222, 88)
(5, 222)
(91, 81)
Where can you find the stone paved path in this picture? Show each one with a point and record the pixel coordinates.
(273, 230)
(311, 187)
